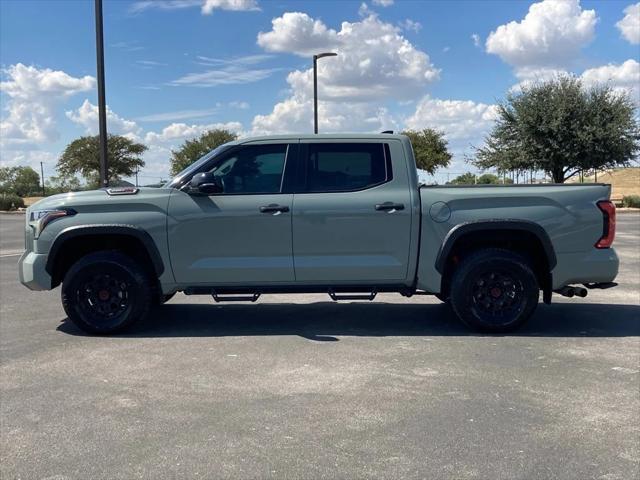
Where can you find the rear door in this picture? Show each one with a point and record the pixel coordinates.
(352, 215)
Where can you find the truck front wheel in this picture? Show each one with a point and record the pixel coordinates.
(105, 292)
(494, 290)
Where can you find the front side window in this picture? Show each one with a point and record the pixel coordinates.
(344, 167)
(177, 180)
(252, 169)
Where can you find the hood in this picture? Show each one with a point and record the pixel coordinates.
(98, 197)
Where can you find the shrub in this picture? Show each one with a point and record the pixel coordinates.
(631, 201)
(10, 201)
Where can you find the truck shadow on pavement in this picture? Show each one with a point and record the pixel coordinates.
(326, 321)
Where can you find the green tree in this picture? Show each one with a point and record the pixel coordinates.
(60, 184)
(192, 150)
(488, 179)
(82, 157)
(429, 148)
(464, 179)
(562, 127)
(23, 181)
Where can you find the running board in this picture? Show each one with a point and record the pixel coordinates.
(235, 298)
(336, 297)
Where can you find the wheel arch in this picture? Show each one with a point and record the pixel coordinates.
(522, 236)
(74, 242)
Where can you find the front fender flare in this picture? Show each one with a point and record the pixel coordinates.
(93, 230)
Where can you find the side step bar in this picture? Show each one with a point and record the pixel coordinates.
(235, 298)
(366, 296)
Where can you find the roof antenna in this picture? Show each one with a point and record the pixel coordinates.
(388, 131)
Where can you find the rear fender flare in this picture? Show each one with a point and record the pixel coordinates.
(463, 229)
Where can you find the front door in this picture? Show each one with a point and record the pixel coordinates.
(241, 236)
(352, 217)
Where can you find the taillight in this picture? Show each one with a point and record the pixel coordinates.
(609, 223)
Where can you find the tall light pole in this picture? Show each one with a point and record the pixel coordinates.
(315, 86)
(102, 111)
(42, 175)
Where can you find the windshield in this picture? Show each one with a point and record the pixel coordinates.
(195, 166)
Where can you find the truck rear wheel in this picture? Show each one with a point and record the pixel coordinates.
(105, 292)
(494, 290)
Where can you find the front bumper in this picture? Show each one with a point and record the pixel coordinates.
(595, 266)
(32, 271)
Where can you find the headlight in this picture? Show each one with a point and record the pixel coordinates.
(39, 219)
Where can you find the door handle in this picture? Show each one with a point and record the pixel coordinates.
(274, 208)
(388, 206)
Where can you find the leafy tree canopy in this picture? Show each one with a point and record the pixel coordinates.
(464, 179)
(192, 150)
(561, 127)
(487, 179)
(60, 184)
(82, 156)
(484, 179)
(23, 181)
(429, 148)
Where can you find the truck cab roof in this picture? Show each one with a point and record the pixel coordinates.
(323, 136)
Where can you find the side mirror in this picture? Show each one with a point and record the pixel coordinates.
(206, 183)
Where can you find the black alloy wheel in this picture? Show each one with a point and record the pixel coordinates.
(105, 292)
(494, 290)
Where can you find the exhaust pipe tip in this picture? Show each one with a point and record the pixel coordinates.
(581, 292)
(570, 292)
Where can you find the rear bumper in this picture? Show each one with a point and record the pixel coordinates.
(595, 266)
(32, 271)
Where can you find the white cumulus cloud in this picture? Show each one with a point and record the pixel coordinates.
(177, 133)
(87, 116)
(296, 32)
(206, 6)
(235, 5)
(629, 26)
(383, 3)
(464, 122)
(375, 63)
(33, 96)
(551, 35)
(623, 77)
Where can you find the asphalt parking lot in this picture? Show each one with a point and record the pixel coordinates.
(394, 389)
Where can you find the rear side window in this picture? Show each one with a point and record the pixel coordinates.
(344, 167)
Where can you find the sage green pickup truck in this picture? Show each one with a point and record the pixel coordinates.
(339, 214)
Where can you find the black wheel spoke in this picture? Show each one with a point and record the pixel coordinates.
(497, 295)
(104, 296)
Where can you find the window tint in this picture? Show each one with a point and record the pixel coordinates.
(252, 169)
(343, 167)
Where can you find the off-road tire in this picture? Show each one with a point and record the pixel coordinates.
(494, 290)
(105, 292)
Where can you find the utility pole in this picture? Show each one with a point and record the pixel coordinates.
(102, 112)
(315, 86)
(42, 178)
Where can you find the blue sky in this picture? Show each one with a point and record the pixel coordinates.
(177, 67)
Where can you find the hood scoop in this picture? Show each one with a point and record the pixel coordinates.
(122, 191)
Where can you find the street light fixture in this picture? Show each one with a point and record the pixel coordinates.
(315, 86)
